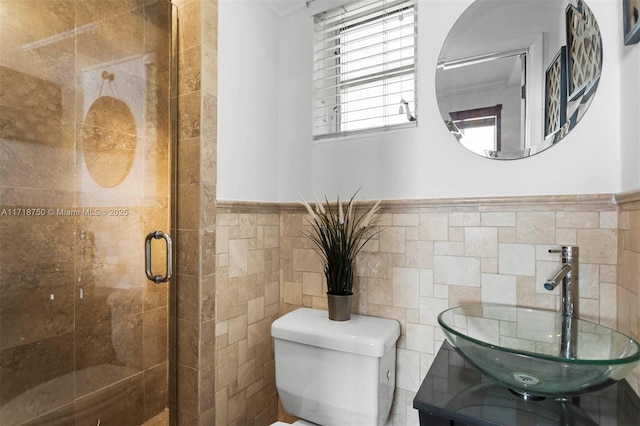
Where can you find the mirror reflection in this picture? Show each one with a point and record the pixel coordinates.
(514, 77)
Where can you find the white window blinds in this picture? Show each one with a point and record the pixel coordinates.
(365, 67)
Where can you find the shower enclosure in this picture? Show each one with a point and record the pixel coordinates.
(86, 170)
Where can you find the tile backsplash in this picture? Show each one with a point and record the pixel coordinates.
(428, 256)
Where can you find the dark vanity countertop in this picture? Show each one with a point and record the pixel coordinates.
(455, 393)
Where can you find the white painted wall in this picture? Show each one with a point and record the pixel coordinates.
(630, 116)
(272, 156)
(248, 75)
(294, 106)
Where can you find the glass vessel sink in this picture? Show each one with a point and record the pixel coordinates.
(536, 352)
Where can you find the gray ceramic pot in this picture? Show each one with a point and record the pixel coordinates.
(339, 306)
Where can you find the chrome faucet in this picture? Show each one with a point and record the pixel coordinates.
(568, 276)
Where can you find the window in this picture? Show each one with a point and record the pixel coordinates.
(479, 129)
(365, 67)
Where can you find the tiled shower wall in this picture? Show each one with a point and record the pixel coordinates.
(430, 255)
(83, 334)
(194, 313)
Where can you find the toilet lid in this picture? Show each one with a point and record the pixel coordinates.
(362, 335)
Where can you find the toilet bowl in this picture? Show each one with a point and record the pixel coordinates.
(335, 372)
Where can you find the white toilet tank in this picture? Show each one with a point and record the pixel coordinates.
(335, 372)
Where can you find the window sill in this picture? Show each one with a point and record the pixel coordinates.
(358, 134)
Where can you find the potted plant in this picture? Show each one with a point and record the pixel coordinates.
(339, 234)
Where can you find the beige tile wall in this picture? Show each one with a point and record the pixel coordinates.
(193, 364)
(629, 272)
(247, 302)
(429, 256)
(442, 253)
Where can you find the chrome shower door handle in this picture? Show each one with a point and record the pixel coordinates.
(147, 257)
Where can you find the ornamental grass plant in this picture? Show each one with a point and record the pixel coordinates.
(339, 234)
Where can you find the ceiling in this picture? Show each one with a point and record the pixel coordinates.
(286, 7)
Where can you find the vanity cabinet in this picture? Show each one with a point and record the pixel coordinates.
(454, 393)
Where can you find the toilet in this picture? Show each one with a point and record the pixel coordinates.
(335, 372)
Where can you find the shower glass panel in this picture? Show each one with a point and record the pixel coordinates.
(85, 175)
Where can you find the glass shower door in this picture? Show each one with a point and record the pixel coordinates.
(85, 176)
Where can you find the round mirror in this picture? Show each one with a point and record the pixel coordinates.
(514, 77)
